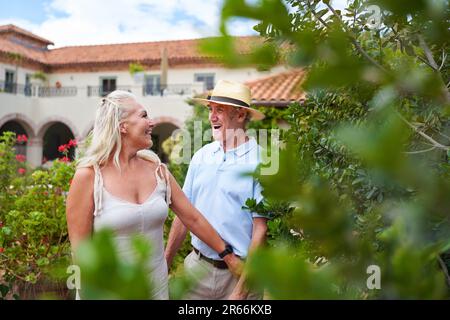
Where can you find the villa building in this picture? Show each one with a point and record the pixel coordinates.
(51, 95)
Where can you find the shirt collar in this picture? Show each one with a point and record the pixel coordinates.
(239, 151)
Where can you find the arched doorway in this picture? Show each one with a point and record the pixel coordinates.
(19, 130)
(57, 134)
(161, 132)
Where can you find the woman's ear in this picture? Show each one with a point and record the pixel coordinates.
(123, 127)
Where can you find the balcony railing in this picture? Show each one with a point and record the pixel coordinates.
(57, 92)
(30, 90)
(98, 91)
(171, 89)
(15, 88)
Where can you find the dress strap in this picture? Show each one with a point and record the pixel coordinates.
(167, 180)
(98, 191)
(159, 172)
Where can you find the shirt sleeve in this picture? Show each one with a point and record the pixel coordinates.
(188, 181)
(257, 190)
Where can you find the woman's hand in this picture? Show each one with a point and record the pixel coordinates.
(235, 265)
(238, 294)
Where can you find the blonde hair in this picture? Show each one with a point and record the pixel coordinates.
(105, 137)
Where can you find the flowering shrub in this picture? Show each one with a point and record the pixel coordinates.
(20, 158)
(21, 138)
(33, 230)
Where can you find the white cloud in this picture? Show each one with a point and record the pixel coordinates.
(339, 4)
(24, 24)
(83, 22)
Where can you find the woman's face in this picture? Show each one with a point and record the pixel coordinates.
(137, 127)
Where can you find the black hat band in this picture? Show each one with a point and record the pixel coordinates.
(229, 100)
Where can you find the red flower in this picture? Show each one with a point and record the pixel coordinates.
(1, 224)
(64, 159)
(20, 158)
(2, 250)
(21, 170)
(22, 138)
(72, 143)
(63, 148)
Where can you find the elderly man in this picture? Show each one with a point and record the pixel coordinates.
(215, 184)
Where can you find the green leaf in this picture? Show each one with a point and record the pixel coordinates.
(6, 231)
(4, 290)
(43, 261)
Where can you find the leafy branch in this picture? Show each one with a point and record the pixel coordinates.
(354, 40)
(424, 135)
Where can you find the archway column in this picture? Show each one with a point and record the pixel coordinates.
(34, 151)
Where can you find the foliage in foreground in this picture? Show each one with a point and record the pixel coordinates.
(365, 173)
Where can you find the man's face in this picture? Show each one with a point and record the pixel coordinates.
(224, 121)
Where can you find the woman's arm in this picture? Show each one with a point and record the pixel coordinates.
(80, 206)
(177, 234)
(178, 230)
(198, 225)
(259, 233)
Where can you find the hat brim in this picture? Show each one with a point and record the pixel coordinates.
(254, 114)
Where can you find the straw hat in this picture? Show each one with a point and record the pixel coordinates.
(234, 94)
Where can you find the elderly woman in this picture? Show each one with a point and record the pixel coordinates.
(119, 184)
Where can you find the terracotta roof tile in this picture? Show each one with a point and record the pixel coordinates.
(279, 90)
(7, 46)
(15, 29)
(144, 52)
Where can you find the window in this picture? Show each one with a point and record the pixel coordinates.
(9, 81)
(27, 89)
(108, 86)
(152, 85)
(206, 78)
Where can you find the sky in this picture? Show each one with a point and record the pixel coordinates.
(87, 22)
(84, 22)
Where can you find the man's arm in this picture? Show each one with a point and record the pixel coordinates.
(176, 238)
(258, 239)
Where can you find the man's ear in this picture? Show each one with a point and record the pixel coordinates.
(242, 114)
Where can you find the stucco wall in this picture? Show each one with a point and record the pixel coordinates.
(20, 72)
(77, 112)
(80, 109)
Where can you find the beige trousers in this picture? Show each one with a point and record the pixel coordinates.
(212, 283)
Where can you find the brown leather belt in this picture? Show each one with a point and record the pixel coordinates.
(219, 264)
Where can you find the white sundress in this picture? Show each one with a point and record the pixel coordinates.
(126, 219)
